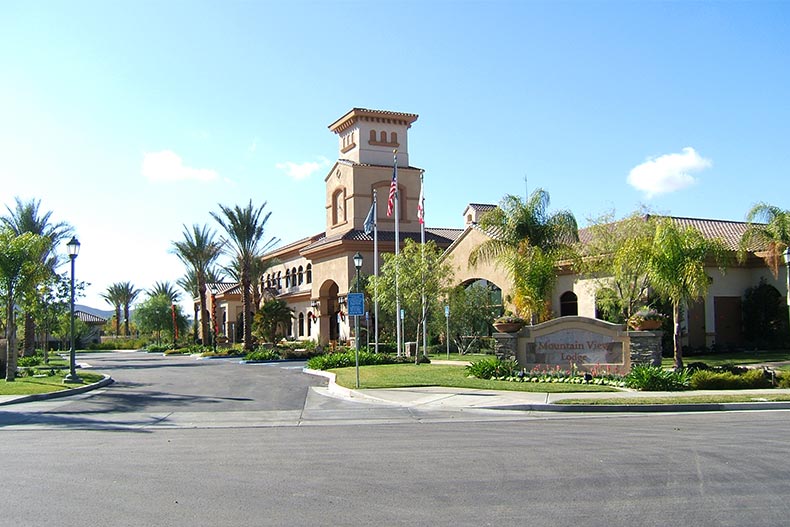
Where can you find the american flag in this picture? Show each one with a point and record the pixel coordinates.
(393, 189)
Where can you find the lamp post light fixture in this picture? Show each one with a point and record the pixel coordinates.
(73, 248)
(358, 266)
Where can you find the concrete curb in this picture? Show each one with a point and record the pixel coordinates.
(107, 380)
(348, 393)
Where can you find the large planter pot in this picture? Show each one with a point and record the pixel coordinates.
(508, 327)
(647, 325)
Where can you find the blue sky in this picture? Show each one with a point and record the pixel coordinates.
(130, 119)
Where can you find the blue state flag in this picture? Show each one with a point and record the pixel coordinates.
(370, 220)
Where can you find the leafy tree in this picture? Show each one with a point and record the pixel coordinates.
(676, 269)
(155, 315)
(198, 251)
(528, 241)
(271, 319)
(245, 233)
(617, 252)
(26, 217)
(471, 315)
(769, 228)
(61, 330)
(764, 314)
(20, 270)
(417, 272)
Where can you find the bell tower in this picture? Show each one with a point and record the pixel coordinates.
(367, 140)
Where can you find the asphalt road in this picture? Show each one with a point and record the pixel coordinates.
(184, 443)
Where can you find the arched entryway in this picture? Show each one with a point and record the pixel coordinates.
(328, 310)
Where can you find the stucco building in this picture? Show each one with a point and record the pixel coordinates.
(314, 273)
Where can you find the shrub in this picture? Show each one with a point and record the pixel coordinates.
(493, 368)
(657, 379)
(29, 362)
(726, 380)
(157, 348)
(347, 359)
(263, 354)
(783, 380)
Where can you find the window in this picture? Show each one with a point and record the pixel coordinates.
(309, 272)
(372, 136)
(279, 279)
(301, 275)
(301, 325)
(393, 138)
(383, 136)
(339, 206)
(309, 325)
(287, 278)
(569, 304)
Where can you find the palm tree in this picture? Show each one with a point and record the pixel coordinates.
(26, 217)
(112, 296)
(189, 283)
(165, 289)
(20, 269)
(676, 269)
(273, 315)
(257, 270)
(528, 241)
(244, 230)
(769, 228)
(127, 294)
(199, 251)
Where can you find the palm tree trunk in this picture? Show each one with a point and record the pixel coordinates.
(204, 328)
(10, 356)
(117, 320)
(245, 292)
(676, 336)
(29, 348)
(126, 319)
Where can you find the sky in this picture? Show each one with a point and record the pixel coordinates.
(132, 119)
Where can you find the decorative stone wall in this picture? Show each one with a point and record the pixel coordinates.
(646, 347)
(581, 343)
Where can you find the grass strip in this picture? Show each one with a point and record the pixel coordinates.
(411, 375)
(52, 383)
(689, 399)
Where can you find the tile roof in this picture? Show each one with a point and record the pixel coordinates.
(441, 236)
(729, 232)
(482, 207)
(89, 318)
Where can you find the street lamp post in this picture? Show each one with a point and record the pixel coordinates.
(358, 266)
(73, 248)
(447, 334)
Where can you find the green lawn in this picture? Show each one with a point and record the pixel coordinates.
(409, 375)
(54, 383)
(458, 357)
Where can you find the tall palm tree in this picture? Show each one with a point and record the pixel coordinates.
(127, 294)
(245, 232)
(676, 269)
(528, 241)
(257, 271)
(199, 251)
(27, 217)
(165, 289)
(189, 283)
(769, 228)
(112, 296)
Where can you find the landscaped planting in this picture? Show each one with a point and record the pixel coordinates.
(657, 379)
(508, 370)
(347, 359)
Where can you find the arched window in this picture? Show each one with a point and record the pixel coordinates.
(293, 276)
(569, 304)
(372, 136)
(309, 272)
(287, 278)
(309, 325)
(301, 275)
(301, 325)
(394, 138)
(383, 136)
(339, 206)
(279, 279)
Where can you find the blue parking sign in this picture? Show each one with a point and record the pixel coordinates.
(356, 304)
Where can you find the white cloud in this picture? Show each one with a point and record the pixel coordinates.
(166, 166)
(667, 173)
(302, 170)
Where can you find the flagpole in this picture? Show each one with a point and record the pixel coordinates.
(421, 213)
(397, 252)
(376, 268)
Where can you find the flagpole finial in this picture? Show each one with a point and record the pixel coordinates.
(395, 151)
